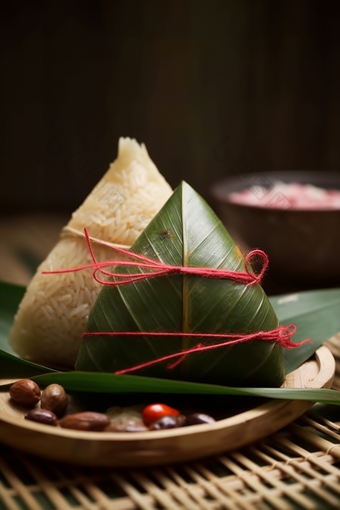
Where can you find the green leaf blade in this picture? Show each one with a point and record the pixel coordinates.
(128, 384)
(316, 316)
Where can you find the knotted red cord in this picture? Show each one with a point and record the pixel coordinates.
(160, 268)
(281, 335)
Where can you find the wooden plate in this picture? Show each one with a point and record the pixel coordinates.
(160, 447)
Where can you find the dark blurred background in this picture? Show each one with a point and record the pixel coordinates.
(212, 87)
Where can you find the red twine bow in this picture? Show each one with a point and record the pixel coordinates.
(160, 268)
(281, 334)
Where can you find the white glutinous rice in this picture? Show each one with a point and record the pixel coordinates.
(54, 311)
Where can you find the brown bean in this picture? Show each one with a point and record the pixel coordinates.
(198, 418)
(55, 399)
(89, 421)
(25, 392)
(42, 416)
(168, 422)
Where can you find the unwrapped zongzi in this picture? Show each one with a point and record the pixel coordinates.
(55, 309)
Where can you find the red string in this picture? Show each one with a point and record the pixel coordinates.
(160, 268)
(281, 335)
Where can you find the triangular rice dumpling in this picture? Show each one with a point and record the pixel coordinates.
(55, 308)
(185, 232)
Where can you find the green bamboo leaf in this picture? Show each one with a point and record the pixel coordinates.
(315, 315)
(186, 232)
(129, 384)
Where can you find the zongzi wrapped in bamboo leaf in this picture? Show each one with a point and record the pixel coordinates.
(185, 232)
(55, 309)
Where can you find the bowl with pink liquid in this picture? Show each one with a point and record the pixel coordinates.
(294, 216)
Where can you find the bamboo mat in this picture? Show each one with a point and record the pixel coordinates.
(297, 468)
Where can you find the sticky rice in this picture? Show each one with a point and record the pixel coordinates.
(54, 311)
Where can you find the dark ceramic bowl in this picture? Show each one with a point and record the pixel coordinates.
(302, 245)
